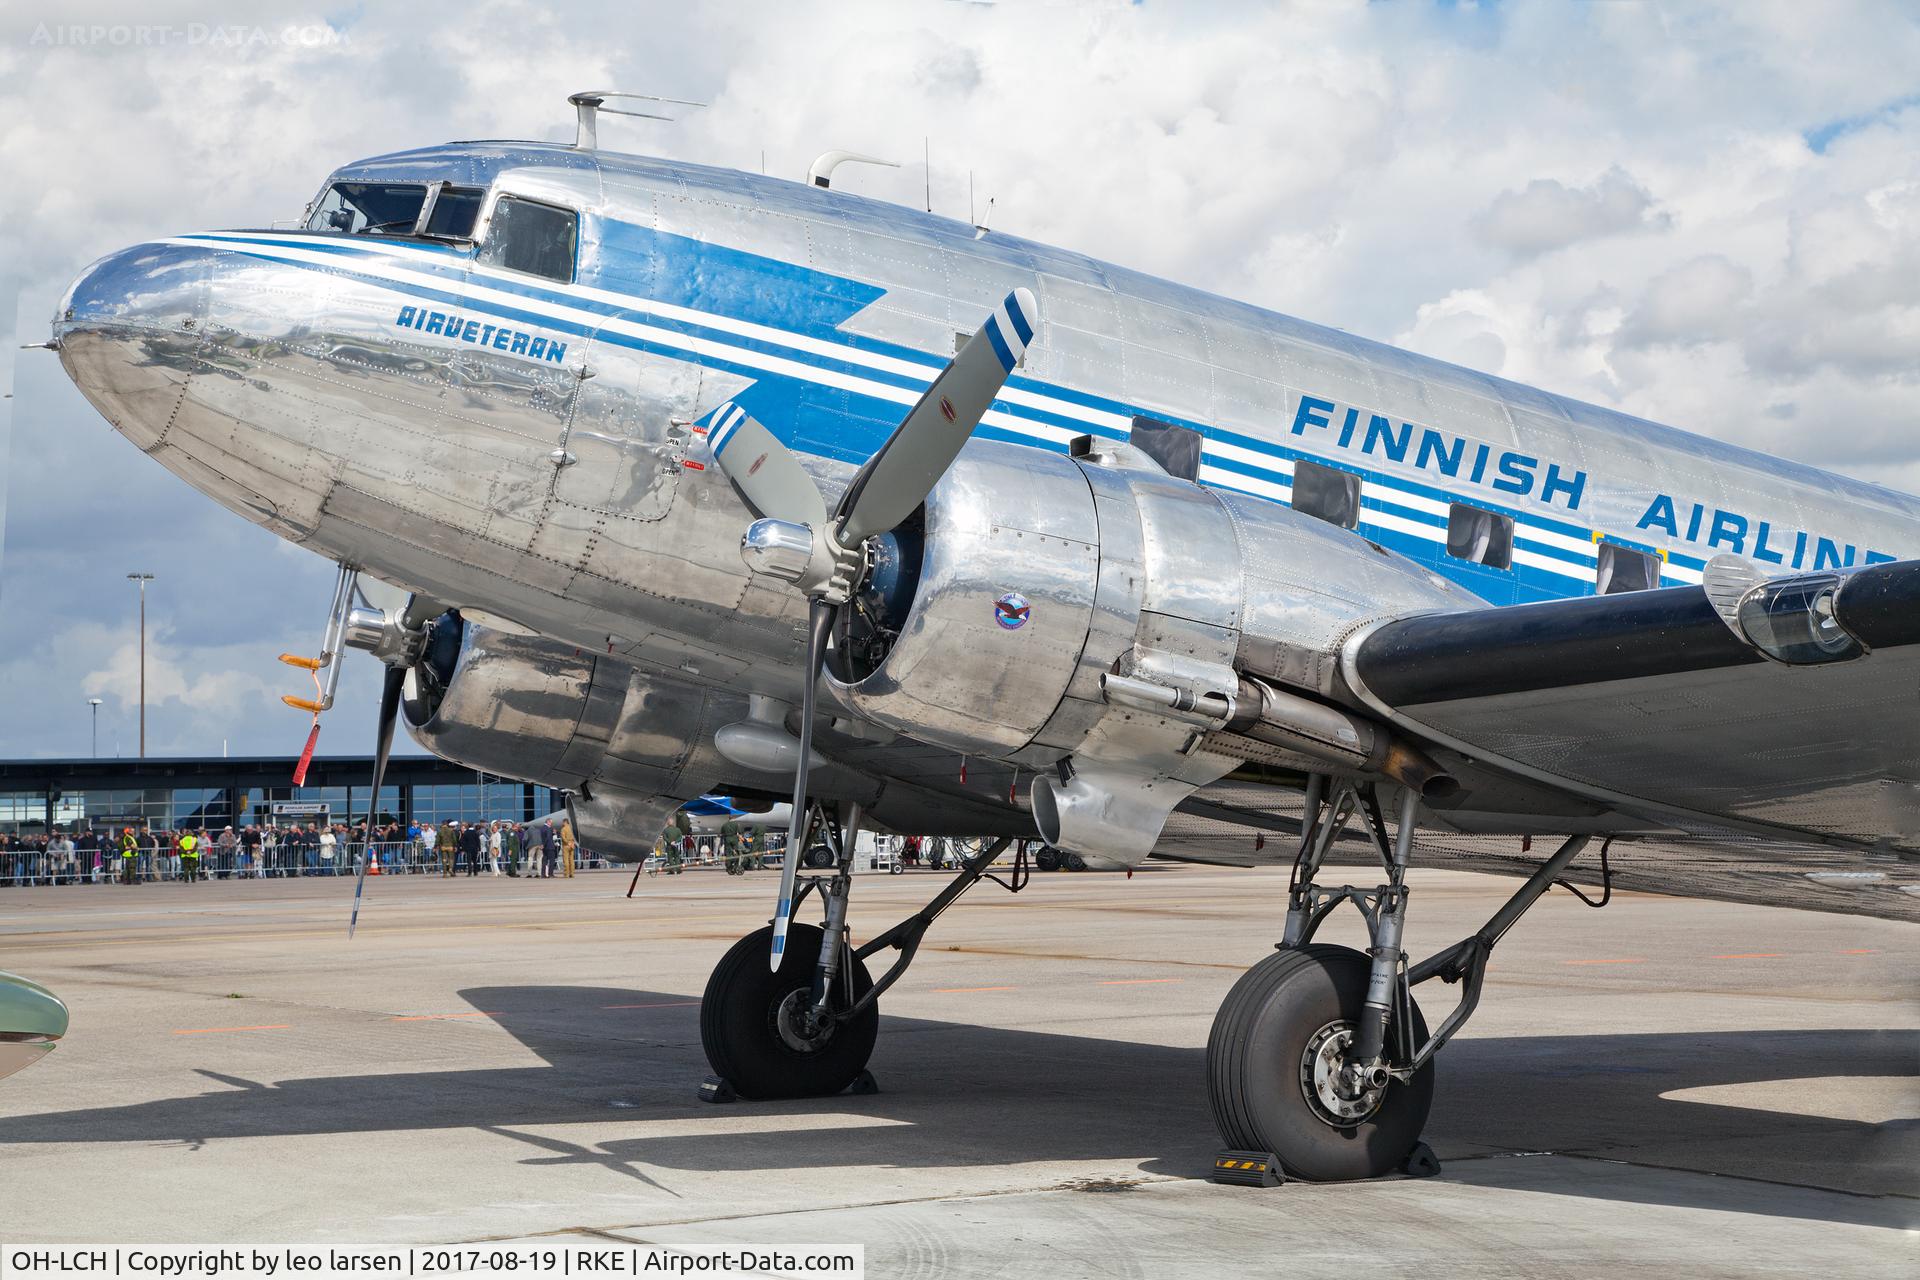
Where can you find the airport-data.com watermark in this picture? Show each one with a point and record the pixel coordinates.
(193, 35)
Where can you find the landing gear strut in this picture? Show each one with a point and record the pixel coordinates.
(807, 1028)
(1320, 1054)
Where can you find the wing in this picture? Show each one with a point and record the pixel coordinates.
(1789, 708)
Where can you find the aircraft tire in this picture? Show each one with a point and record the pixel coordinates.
(1075, 862)
(1048, 859)
(1258, 1058)
(740, 1018)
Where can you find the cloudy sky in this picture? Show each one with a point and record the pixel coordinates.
(1707, 214)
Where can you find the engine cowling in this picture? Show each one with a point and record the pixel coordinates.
(543, 711)
(1041, 575)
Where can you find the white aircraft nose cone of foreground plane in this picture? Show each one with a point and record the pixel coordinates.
(698, 481)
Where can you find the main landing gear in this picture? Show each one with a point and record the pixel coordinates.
(1320, 1055)
(806, 1029)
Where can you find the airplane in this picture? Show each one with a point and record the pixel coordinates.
(686, 480)
(707, 814)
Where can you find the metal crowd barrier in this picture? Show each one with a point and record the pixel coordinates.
(22, 867)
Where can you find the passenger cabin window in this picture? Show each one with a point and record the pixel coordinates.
(1326, 493)
(1624, 569)
(1483, 537)
(535, 238)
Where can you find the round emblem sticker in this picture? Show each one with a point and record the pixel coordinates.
(1011, 611)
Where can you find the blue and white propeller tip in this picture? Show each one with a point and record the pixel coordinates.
(1010, 327)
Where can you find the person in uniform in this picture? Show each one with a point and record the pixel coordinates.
(129, 856)
(567, 846)
(189, 851)
(446, 843)
(730, 847)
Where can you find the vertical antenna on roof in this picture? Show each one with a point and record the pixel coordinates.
(971, 221)
(926, 153)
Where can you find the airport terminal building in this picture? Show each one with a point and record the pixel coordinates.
(42, 796)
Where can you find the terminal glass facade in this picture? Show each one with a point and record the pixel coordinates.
(174, 808)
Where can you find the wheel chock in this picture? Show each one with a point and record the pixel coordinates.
(717, 1089)
(863, 1084)
(1247, 1169)
(1420, 1162)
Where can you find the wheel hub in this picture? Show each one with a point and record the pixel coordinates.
(794, 1023)
(1321, 1079)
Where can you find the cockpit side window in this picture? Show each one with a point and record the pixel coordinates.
(453, 213)
(361, 208)
(538, 239)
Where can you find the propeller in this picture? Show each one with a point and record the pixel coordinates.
(383, 744)
(824, 556)
(395, 633)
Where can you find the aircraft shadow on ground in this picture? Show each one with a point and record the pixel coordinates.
(957, 1095)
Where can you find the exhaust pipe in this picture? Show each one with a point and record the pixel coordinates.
(1261, 711)
(1282, 719)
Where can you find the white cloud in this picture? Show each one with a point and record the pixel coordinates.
(1548, 214)
(1618, 202)
(1700, 300)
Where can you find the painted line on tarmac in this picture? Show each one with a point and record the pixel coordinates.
(1754, 955)
(440, 1017)
(658, 1004)
(208, 1031)
(1620, 960)
(1133, 982)
(954, 991)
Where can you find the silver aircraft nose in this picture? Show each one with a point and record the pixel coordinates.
(128, 330)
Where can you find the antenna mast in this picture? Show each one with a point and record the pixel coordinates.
(588, 104)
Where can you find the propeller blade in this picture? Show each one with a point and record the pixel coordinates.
(819, 623)
(383, 744)
(898, 478)
(765, 471)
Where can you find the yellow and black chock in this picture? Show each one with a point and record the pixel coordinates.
(1247, 1169)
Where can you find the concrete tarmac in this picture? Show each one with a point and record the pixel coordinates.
(1705, 1088)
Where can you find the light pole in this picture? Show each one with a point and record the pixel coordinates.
(143, 579)
(95, 704)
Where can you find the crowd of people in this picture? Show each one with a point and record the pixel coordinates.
(132, 855)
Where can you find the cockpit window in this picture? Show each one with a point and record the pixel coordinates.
(530, 237)
(453, 212)
(396, 208)
(360, 208)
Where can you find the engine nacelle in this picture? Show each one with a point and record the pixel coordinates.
(543, 711)
(1040, 574)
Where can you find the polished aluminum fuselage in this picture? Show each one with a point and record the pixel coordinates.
(533, 450)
